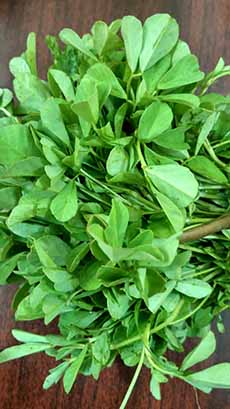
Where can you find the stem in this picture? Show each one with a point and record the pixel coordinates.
(133, 381)
(170, 320)
(86, 174)
(206, 229)
(218, 145)
(156, 366)
(140, 155)
(192, 312)
(212, 154)
(144, 165)
(191, 275)
(126, 342)
(154, 330)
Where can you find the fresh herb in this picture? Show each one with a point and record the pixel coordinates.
(115, 202)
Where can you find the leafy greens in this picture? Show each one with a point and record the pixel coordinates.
(105, 166)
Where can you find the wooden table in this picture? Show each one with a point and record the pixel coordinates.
(205, 25)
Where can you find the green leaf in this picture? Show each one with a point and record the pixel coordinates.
(73, 370)
(117, 161)
(155, 119)
(205, 130)
(52, 306)
(81, 319)
(51, 250)
(173, 213)
(117, 303)
(117, 224)
(64, 206)
(153, 75)
(19, 351)
(206, 168)
(130, 355)
(55, 375)
(16, 144)
(9, 197)
(7, 267)
(6, 97)
(185, 71)
(217, 376)
(30, 91)
(174, 181)
(87, 101)
(18, 66)
(68, 36)
(194, 288)
(64, 83)
(131, 30)
(100, 349)
(181, 50)
(28, 337)
(102, 73)
(76, 255)
(172, 139)
(203, 351)
(88, 277)
(52, 120)
(190, 100)
(30, 54)
(155, 387)
(160, 34)
(31, 166)
(155, 301)
(119, 119)
(100, 32)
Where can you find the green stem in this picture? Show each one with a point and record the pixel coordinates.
(86, 174)
(152, 331)
(212, 154)
(133, 381)
(192, 312)
(156, 366)
(140, 155)
(170, 320)
(7, 113)
(208, 270)
(218, 145)
(126, 342)
(144, 165)
(212, 275)
(91, 194)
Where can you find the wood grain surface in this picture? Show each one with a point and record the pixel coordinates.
(205, 25)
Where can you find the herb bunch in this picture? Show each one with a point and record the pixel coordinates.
(115, 202)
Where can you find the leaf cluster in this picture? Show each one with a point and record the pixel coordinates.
(103, 166)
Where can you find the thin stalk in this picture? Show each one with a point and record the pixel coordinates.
(212, 154)
(98, 182)
(156, 366)
(206, 229)
(164, 324)
(218, 145)
(212, 275)
(144, 165)
(192, 312)
(199, 273)
(8, 114)
(134, 380)
(170, 320)
(152, 331)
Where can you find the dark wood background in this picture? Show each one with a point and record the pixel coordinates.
(205, 24)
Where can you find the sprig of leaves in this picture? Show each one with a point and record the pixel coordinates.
(105, 165)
